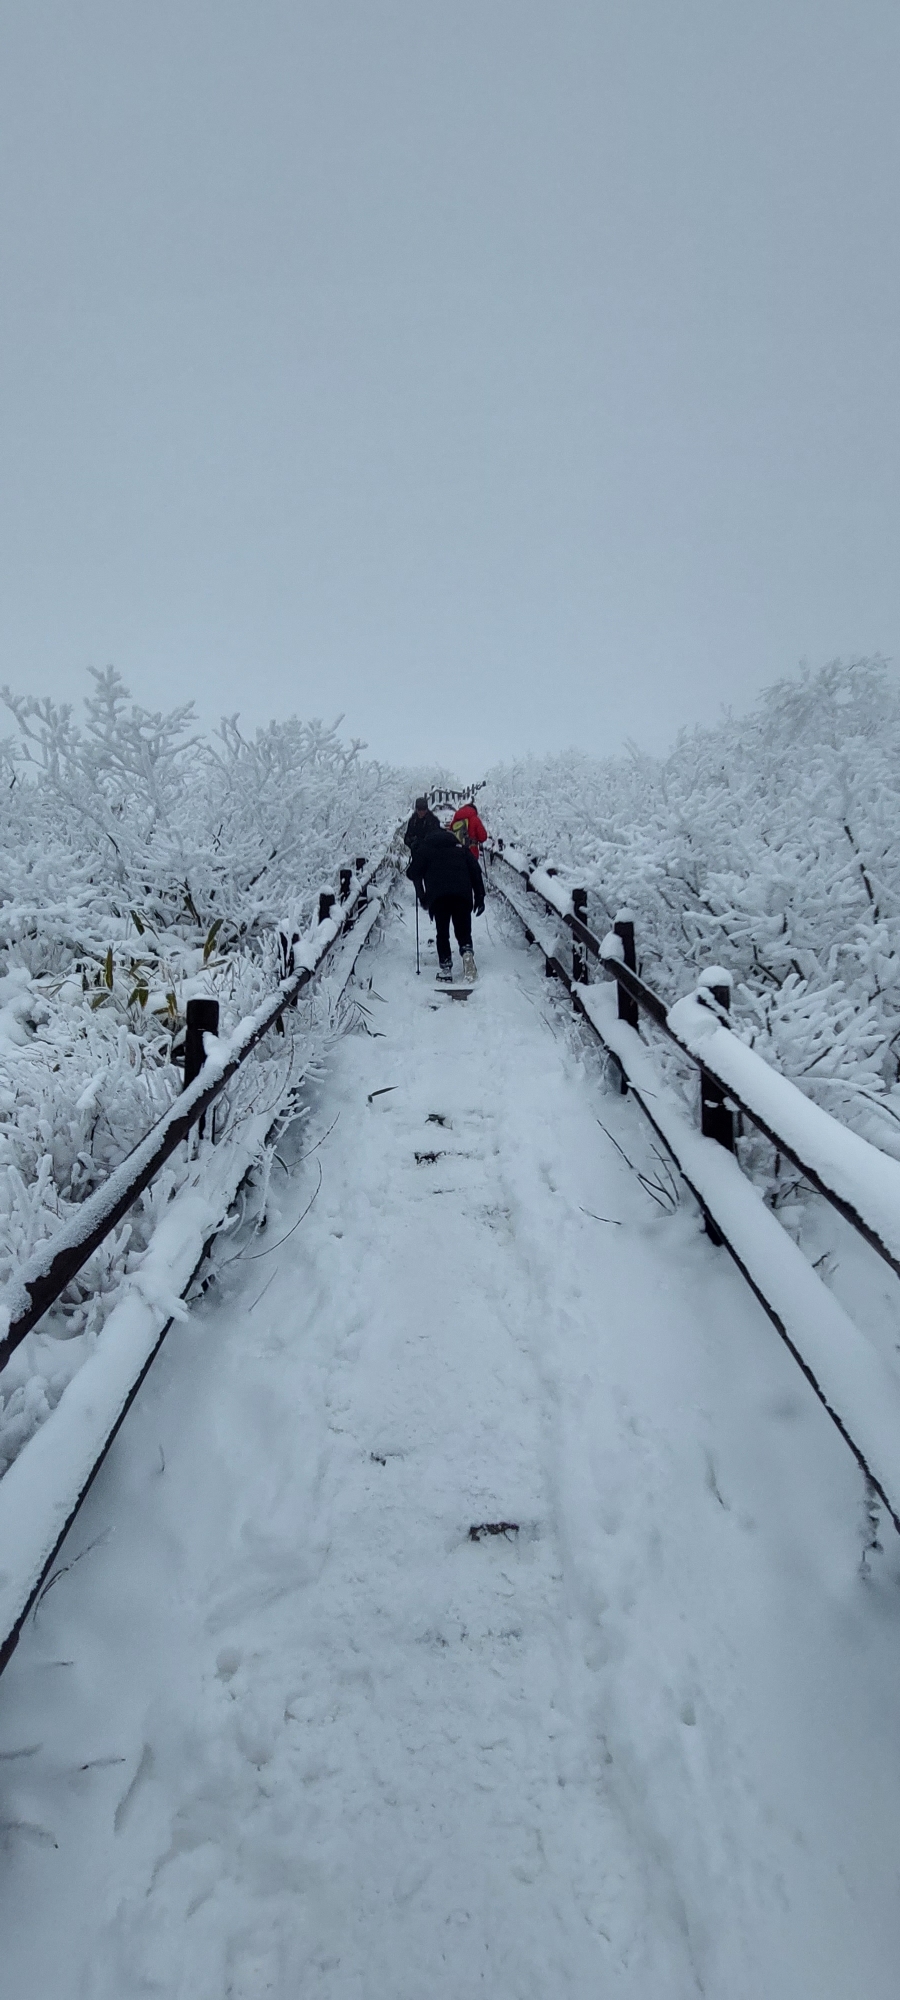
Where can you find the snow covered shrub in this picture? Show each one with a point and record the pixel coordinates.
(141, 864)
(769, 843)
(136, 817)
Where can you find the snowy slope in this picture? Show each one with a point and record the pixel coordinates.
(284, 1727)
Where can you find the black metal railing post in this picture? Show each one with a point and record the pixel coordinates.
(287, 952)
(579, 955)
(624, 930)
(345, 878)
(716, 1114)
(202, 1018)
(363, 898)
(326, 904)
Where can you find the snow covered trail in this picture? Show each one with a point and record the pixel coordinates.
(285, 1728)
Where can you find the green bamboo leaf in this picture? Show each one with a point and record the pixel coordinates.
(141, 995)
(137, 923)
(99, 1000)
(108, 968)
(210, 944)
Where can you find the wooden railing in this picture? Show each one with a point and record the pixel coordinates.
(43, 1489)
(207, 1071)
(859, 1391)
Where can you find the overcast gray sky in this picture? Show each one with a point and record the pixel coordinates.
(507, 374)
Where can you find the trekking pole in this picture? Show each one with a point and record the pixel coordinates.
(418, 967)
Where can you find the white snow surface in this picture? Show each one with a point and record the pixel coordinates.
(848, 1164)
(555, 889)
(281, 1727)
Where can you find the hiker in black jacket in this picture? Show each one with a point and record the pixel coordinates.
(448, 882)
(420, 822)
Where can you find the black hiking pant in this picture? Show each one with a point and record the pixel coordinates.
(458, 910)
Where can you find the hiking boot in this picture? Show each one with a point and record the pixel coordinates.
(445, 970)
(470, 969)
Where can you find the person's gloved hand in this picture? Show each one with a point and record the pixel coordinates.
(479, 909)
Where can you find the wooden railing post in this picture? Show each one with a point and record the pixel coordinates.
(716, 1116)
(624, 930)
(287, 952)
(202, 1018)
(579, 955)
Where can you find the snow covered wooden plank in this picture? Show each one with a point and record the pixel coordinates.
(44, 1487)
(858, 1390)
(850, 1172)
(861, 1181)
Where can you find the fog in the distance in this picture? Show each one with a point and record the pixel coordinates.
(504, 375)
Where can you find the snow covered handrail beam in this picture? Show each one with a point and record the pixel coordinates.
(43, 1489)
(57, 1261)
(855, 1177)
(858, 1180)
(855, 1386)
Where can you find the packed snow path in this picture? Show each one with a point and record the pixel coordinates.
(283, 1727)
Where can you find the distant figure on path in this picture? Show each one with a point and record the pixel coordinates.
(467, 826)
(421, 821)
(448, 882)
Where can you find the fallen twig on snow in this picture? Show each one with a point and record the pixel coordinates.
(283, 1239)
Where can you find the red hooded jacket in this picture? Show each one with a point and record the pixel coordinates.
(476, 833)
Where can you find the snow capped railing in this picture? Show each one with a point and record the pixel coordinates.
(860, 1181)
(44, 1487)
(56, 1261)
(861, 1395)
(443, 795)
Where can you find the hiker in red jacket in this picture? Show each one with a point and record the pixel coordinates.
(468, 828)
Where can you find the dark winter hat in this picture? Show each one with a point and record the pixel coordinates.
(421, 805)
